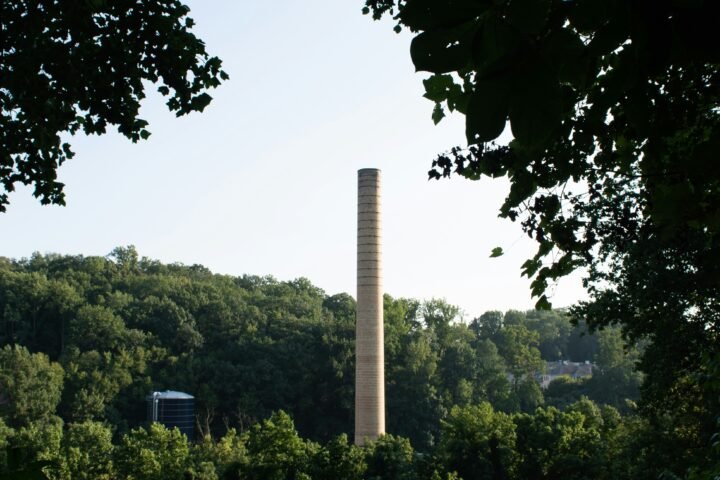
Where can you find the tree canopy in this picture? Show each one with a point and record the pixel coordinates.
(613, 109)
(67, 67)
(612, 106)
(463, 399)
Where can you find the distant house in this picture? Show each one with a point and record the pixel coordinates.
(565, 368)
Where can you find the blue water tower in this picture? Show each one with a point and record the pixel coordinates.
(173, 409)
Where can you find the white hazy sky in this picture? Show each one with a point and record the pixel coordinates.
(264, 181)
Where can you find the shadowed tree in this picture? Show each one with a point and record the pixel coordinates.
(390, 458)
(614, 111)
(338, 459)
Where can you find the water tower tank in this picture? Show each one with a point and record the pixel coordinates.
(173, 409)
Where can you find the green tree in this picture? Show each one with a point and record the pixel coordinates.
(87, 451)
(96, 328)
(555, 444)
(518, 346)
(6, 434)
(615, 380)
(401, 320)
(342, 306)
(478, 442)
(94, 379)
(514, 318)
(170, 322)
(491, 383)
(553, 328)
(30, 386)
(275, 450)
(528, 395)
(438, 315)
(82, 67)
(125, 257)
(155, 453)
(413, 402)
(582, 344)
(35, 310)
(226, 455)
(390, 458)
(458, 366)
(563, 391)
(338, 459)
(488, 324)
(35, 448)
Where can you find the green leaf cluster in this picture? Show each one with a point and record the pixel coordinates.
(83, 67)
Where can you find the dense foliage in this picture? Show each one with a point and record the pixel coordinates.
(613, 110)
(87, 338)
(83, 66)
(613, 107)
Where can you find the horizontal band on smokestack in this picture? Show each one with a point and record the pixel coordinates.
(367, 264)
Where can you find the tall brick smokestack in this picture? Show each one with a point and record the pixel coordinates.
(369, 337)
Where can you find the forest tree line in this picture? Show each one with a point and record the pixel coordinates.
(271, 366)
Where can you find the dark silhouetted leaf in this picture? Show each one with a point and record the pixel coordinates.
(536, 111)
(441, 51)
(588, 15)
(431, 14)
(495, 47)
(487, 111)
(529, 16)
(543, 304)
(437, 87)
(563, 50)
(438, 113)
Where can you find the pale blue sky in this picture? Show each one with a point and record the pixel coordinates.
(263, 182)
